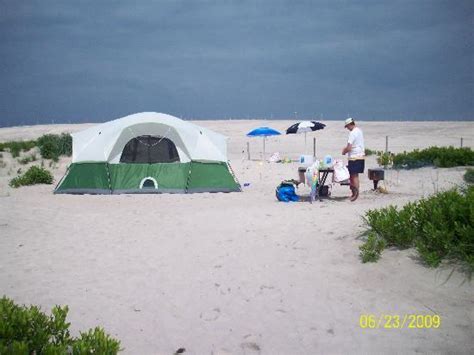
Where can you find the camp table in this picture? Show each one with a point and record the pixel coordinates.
(323, 175)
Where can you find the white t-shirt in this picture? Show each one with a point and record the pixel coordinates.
(356, 139)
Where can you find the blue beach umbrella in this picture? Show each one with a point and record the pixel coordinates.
(263, 132)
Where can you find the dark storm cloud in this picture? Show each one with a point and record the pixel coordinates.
(100, 60)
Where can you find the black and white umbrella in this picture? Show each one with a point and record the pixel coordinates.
(305, 127)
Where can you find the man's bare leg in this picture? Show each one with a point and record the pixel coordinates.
(351, 184)
(355, 186)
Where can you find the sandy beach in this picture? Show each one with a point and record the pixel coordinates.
(237, 273)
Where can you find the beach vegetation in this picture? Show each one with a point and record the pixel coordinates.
(369, 152)
(27, 159)
(442, 157)
(371, 250)
(385, 159)
(27, 330)
(95, 341)
(469, 176)
(440, 227)
(34, 175)
(15, 147)
(52, 146)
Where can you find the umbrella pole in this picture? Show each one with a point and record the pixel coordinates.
(305, 142)
(264, 148)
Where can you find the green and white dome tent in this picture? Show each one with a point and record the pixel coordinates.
(148, 153)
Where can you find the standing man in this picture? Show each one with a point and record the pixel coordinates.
(356, 149)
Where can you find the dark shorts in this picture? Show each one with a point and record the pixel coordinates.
(356, 166)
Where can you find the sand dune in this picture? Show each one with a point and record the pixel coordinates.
(236, 273)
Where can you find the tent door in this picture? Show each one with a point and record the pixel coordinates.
(148, 183)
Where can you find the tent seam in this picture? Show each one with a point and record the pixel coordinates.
(108, 177)
(189, 177)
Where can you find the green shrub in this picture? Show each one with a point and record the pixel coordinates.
(27, 330)
(52, 146)
(469, 176)
(388, 222)
(34, 175)
(447, 230)
(443, 157)
(369, 152)
(439, 227)
(370, 251)
(96, 342)
(384, 159)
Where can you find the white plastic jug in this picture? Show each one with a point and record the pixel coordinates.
(306, 160)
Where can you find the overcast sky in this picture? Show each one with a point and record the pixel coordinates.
(86, 61)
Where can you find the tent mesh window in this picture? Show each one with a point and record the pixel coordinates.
(149, 149)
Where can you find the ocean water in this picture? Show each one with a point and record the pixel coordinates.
(6, 122)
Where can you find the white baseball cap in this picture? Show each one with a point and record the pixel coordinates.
(348, 121)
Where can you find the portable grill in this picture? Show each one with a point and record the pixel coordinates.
(376, 175)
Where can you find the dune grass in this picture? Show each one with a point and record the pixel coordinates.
(51, 146)
(28, 159)
(440, 227)
(443, 157)
(369, 152)
(15, 147)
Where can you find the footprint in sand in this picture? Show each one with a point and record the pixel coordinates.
(211, 315)
(250, 345)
